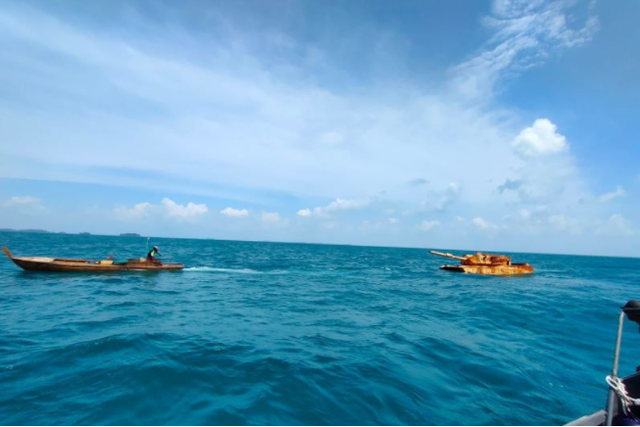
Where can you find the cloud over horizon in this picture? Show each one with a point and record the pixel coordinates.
(278, 129)
(167, 208)
(238, 213)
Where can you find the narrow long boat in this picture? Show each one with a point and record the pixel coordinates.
(80, 265)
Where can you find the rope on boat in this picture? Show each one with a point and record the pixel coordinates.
(626, 401)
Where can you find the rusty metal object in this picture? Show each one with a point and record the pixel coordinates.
(486, 264)
(493, 270)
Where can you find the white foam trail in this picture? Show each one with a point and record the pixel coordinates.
(224, 270)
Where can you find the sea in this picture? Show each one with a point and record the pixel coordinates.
(305, 334)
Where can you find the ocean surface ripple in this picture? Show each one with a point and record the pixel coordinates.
(268, 333)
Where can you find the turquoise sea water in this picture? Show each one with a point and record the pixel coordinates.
(267, 333)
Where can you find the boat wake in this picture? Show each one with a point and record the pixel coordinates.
(223, 270)
(204, 269)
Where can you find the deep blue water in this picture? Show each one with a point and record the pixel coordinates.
(266, 333)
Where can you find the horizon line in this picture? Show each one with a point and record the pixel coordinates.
(133, 234)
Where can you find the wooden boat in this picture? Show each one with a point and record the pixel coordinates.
(623, 401)
(486, 264)
(79, 265)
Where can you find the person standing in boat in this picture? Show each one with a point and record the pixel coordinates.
(153, 253)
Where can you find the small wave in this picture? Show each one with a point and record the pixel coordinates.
(224, 270)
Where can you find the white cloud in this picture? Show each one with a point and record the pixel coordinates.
(270, 216)
(563, 223)
(345, 204)
(22, 201)
(138, 211)
(548, 174)
(483, 224)
(616, 225)
(25, 205)
(433, 198)
(525, 214)
(450, 196)
(525, 34)
(183, 212)
(428, 225)
(393, 220)
(166, 209)
(619, 192)
(237, 213)
(335, 206)
(440, 201)
(531, 220)
(540, 139)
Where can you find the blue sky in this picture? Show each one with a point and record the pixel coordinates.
(491, 125)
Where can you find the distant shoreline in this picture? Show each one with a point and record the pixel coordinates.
(82, 233)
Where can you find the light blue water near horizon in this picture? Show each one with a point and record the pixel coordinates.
(273, 333)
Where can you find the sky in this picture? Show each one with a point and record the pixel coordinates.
(481, 125)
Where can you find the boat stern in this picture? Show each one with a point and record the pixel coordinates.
(7, 252)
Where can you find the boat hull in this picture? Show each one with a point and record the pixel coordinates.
(491, 270)
(54, 265)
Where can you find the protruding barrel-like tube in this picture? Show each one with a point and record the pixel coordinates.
(446, 255)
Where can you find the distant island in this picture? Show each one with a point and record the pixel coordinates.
(38, 231)
(29, 230)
